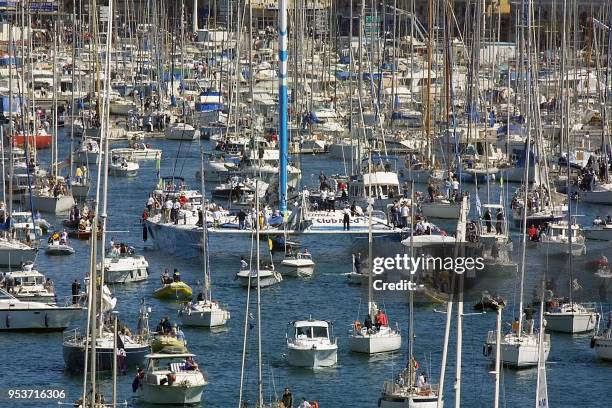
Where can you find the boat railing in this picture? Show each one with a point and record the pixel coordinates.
(491, 337)
(97, 405)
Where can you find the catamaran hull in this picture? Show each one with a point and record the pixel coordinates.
(314, 358)
(571, 323)
(171, 395)
(38, 319)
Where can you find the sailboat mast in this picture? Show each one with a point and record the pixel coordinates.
(282, 106)
(410, 292)
(259, 359)
(207, 290)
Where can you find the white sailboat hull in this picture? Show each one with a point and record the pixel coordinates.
(599, 234)
(52, 205)
(518, 352)
(373, 344)
(603, 347)
(182, 133)
(571, 323)
(204, 316)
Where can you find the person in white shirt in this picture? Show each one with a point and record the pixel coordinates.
(323, 199)
(150, 203)
(455, 186)
(404, 214)
(305, 404)
(167, 210)
(243, 265)
(421, 381)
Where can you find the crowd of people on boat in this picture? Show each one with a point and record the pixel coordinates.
(599, 221)
(537, 200)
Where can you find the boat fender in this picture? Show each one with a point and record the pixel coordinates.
(8, 321)
(46, 320)
(592, 342)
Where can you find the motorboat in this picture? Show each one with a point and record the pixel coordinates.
(19, 315)
(300, 265)
(555, 240)
(181, 131)
(267, 277)
(58, 245)
(372, 341)
(309, 344)
(123, 166)
(571, 318)
(125, 267)
(173, 291)
(204, 313)
(172, 379)
(138, 151)
(32, 286)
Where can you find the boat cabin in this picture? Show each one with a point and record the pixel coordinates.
(310, 329)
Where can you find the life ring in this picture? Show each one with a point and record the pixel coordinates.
(357, 325)
(182, 199)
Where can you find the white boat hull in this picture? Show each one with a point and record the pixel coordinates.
(53, 319)
(171, 395)
(373, 344)
(597, 197)
(52, 205)
(263, 281)
(599, 234)
(296, 270)
(126, 276)
(603, 347)
(571, 323)
(521, 353)
(16, 256)
(179, 133)
(561, 248)
(204, 317)
(397, 401)
(441, 210)
(312, 357)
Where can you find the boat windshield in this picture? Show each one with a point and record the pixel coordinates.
(310, 332)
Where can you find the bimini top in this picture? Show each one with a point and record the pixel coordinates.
(310, 323)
